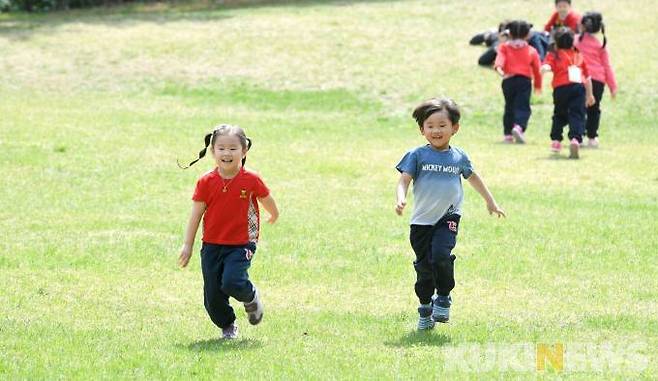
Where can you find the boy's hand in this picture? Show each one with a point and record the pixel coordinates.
(272, 219)
(494, 208)
(185, 254)
(400, 207)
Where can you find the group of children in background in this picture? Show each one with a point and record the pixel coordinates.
(581, 69)
(227, 198)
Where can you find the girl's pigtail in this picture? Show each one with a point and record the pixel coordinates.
(202, 153)
(244, 160)
(605, 40)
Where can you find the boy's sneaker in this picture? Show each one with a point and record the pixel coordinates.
(508, 139)
(254, 309)
(556, 146)
(441, 308)
(230, 332)
(574, 146)
(517, 132)
(593, 143)
(425, 320)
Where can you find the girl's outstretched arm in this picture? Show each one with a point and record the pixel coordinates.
(401, 192)
(198, 208)
(270, 205)
(477, 183)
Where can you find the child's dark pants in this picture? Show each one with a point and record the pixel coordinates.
(516, 91)
(594, 111)
(225, 274)
(434, 262)
(569, 108)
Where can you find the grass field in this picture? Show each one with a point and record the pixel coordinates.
(97, 105)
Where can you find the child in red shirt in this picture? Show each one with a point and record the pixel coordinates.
(227, 198)
(598, 64)
(516, 62)
(572, 91)
(563, 16)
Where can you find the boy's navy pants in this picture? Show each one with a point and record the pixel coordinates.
(225, 274)
(434, 262)
(516, 91)
(569, 108)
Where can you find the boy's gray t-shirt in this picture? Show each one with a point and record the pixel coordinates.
(437, 183)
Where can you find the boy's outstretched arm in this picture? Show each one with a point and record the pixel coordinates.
(401, 192)
(198, 208)
(477, 183)
(270, 206)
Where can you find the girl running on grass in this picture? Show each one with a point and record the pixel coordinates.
(227, 198)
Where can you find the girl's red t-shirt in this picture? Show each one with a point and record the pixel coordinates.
(560, 62)
(232, 216)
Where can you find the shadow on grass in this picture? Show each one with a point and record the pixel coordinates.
(21, 25)
(420, 338)
(556, 157)
(221, 345)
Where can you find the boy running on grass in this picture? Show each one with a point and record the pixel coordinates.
(436, 169)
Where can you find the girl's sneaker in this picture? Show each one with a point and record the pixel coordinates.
(254, 309)
(517, 132)
(593, 143)
(441, 308)
(508, 139)
(230, 332)
(556, 146)
(425, 319)
(574, 146)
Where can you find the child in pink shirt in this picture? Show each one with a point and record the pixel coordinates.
(598, 63)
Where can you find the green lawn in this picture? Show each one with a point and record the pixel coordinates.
(97, 105)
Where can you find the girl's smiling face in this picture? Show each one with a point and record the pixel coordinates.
(438, 129)
(228, 153)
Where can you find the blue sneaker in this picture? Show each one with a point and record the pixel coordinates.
(441, 308)
(425, 320)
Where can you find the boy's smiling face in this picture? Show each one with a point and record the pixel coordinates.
(438, 129)
(563, 8)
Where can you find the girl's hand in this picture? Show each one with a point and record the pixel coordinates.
(590, 101)
(400, 206)
(613, 95)
(494, 208)
(185, 254)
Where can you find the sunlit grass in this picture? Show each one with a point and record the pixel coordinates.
(96, 106)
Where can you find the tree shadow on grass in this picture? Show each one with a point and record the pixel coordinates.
(221, 345)
(21, 26)
(420, 338)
